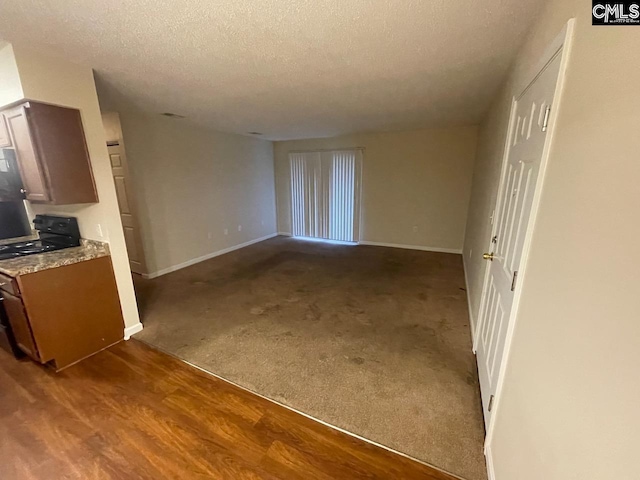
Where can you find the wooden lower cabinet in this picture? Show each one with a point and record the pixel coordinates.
(67, 313)
(19, 324)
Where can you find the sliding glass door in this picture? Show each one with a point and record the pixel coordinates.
(325, 194)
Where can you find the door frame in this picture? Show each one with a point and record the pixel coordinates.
(563, 41)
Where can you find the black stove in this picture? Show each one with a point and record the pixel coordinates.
(55, 233)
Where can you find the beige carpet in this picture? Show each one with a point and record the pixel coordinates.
(373, 340)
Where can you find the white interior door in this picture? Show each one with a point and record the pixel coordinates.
(519, 179)
(325, 194)
(127, 212)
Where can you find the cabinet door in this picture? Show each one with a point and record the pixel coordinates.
(31, 170)
(10, 182)
(5, 139)
(59, 140)
(19, 324)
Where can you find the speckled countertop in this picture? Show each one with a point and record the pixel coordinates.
(88, 250)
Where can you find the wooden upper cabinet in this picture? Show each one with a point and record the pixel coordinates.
(52, 154)
(5, 139)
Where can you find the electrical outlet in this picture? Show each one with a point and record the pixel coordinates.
(99, 230)
(210, 235)
(226, 231)
(470, 252)
(239, 228)
(415, 228)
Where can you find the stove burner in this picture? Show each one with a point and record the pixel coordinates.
(56, 233)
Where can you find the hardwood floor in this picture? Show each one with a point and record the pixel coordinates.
(132, 412)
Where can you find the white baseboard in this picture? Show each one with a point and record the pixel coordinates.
(285, 234)
(193, 261)
(132, 330)
(489, 458)
(468, 292)
(413, 247)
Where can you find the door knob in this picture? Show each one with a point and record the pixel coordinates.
(488, 256)
(22, 190)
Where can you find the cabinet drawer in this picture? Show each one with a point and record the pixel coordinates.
(9, 284)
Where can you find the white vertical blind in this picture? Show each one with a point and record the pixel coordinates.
(305, 189)
(325, 194)
(342, 196)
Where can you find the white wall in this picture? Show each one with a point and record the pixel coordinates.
(53, 80)
(10, 86)
(192, 183)
(416, 184)
(569, 409)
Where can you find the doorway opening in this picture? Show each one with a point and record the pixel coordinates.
(325, 195)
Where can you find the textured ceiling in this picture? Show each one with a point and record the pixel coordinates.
(287, 68)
